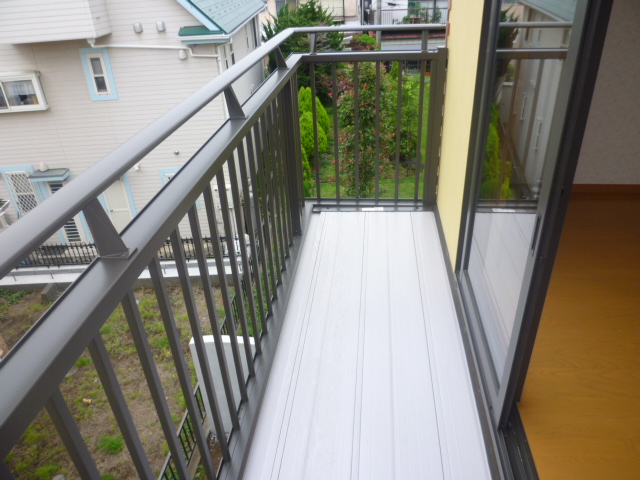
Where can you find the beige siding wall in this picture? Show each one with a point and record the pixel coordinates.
(100, 16)
(75, 132)
(27, 21)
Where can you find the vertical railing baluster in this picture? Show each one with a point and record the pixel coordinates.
(356, 124)
(263, 237)
(398, 132)
(282, 168)
(198, 340)
(261, 202)
(418, 160)
(296, 140)
(270, 198)
(182, 370)
(121, 412)
(68, 430)
(314, 113)
(222, 280)
(246, 272)
(255, 255)
(136, 328)
(233, 260)
(434, 128)
(377, 130)
(291, 159)
(275, 188)
(336, 153)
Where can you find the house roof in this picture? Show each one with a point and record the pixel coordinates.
(222, 16)
(561, 9)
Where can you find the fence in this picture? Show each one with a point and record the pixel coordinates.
(56, 255)
(187, 437)
(399, 16)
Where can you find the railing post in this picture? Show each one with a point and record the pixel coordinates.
(434, 135)
(293, 159)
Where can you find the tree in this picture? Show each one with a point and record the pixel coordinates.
(309, 14)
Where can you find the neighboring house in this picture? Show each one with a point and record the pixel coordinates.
(79, 77)
(381, 12)
(527, 108)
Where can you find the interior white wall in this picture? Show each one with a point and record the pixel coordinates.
(611, 146)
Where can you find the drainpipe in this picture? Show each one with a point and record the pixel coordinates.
(187, 50)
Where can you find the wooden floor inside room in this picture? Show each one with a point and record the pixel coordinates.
(581, 401)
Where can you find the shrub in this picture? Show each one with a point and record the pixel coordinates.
(304, 100)
(308, 139)
(496, 174)
(307, 175)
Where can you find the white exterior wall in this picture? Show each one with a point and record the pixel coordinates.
(75, 132)
(27, 21)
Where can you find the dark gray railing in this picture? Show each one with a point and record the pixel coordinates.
(257, 152)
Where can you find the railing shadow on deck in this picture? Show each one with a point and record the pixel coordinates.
(257, 151)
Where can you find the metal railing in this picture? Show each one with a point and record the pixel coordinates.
(257, 152)
(403, 16)
(187, 436)
(57, 255)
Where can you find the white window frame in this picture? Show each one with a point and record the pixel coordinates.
(102, 54)
(34, 78)
(99, 56)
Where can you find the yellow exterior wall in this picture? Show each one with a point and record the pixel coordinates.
(464, 43)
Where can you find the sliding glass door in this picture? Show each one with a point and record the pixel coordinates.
(523, 106)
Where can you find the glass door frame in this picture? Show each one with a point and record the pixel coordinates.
(568, 124)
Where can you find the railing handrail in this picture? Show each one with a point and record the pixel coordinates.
(43, 221)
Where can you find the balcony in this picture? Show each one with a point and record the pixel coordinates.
(335, 346)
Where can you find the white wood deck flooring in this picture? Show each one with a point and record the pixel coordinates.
(369, 379)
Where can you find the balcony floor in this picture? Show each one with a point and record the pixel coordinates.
(370, 378)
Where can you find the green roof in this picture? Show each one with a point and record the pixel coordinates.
(199, 30)
(563, 9)
(222, 16)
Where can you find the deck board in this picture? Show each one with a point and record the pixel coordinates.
(370, 379)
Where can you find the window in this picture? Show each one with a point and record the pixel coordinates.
(71, 230)
(233, 55)
(97, 69)
(21, 92)
(22, 191)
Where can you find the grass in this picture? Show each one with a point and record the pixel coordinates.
(110, 443)
(406, 182)
(40, 452)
